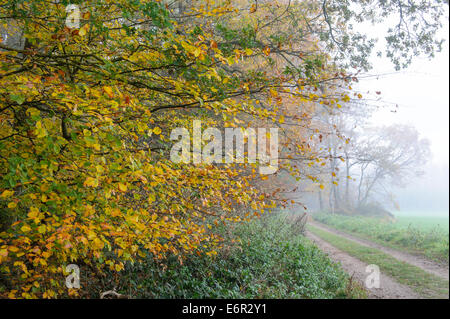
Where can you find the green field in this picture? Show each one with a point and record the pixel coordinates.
(428, 236)
(423, 222)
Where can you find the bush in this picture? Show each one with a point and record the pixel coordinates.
(265, 258)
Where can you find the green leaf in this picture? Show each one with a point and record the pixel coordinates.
(18, 98)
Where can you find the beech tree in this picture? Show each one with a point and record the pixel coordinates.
(86, 114)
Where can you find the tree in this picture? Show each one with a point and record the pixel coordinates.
(391, 154)
(86, 114)
(363, 167)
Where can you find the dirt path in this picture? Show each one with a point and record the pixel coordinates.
(389, 288)
(420, 262)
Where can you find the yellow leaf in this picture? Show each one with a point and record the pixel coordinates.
(157, 130)
(40, 131)
(122, 187)
(273, 93)
(115, 212)
(42, 229)
(13, 249)
(98, 244)
(25, 228)
(34, 212)
(12, 205)
(197, 52)
(83, 30)
(7, 194)
(90, 181)
(108, 91)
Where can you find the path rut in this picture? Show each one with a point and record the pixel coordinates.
(389, 288)
(420, 262)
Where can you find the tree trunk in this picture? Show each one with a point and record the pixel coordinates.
(320, 200)
(347, 181)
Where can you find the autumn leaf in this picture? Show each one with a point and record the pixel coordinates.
(122, 187)
(83, 30)
(25, 228)
(90, 182)
(108, 90)
(98, 244)
(12, 205)
(157, 130)
(6, 194)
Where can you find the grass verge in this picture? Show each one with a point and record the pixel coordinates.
(425, 284)
(432, 243)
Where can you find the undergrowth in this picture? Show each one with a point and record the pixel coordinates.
(268, 259)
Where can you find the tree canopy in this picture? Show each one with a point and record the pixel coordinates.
(86, 115)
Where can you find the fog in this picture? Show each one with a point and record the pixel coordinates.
(418, 96)
(427, 194)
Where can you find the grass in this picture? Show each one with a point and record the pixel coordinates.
(425, 284)
(272, 261)
(417, 235)
(424, 223)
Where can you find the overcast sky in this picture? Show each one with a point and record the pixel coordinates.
(422, 95)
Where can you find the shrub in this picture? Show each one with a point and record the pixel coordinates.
(265, 258)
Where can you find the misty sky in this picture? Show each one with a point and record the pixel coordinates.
(422, 95)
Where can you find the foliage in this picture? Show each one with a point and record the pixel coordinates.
(433, 243)
(86, 114)
(268, 259)
(412, 33)
(84, 147)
